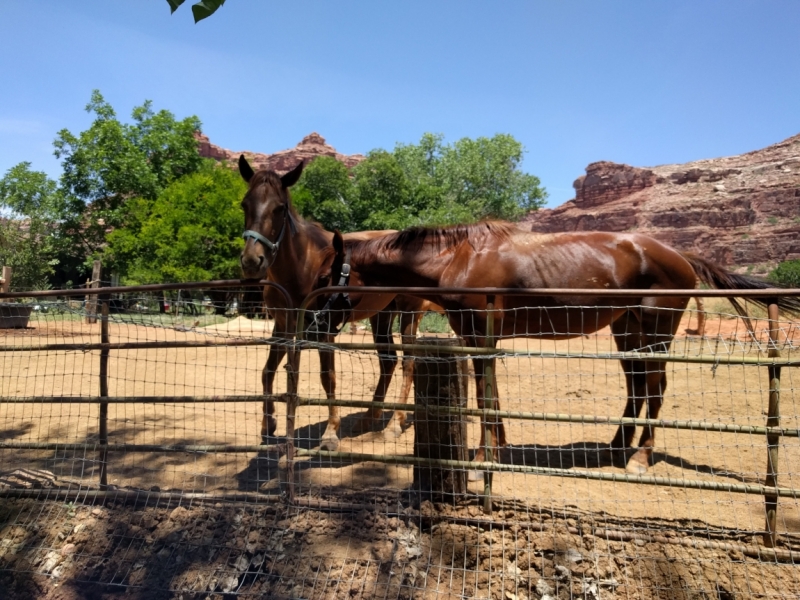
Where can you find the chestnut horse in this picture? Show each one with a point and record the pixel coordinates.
(494, 254)
(297, 255)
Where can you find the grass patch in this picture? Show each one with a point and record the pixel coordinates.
(434, 323)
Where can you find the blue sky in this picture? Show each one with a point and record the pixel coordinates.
(644, 83)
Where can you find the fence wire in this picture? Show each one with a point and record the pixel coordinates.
(200, 523)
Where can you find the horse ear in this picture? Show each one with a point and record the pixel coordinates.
(338, 242)
(292, 176)
(245, 170)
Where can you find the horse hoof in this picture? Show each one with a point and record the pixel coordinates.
(392, 433)
(635, 467)
(475, 475)
(329, 442)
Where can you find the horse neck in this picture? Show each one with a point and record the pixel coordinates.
(421, 267)
(298, 260)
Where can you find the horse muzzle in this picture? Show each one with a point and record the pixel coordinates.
(254, 266)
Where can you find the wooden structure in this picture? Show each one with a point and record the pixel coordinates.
(439, 382)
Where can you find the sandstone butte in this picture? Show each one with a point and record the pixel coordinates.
(740, 211)
(310, 147)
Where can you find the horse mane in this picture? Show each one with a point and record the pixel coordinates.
(413, 238)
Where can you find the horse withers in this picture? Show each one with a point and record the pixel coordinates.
(500, 255)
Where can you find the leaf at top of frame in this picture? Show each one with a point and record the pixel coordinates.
(205, 8)
(174, 4)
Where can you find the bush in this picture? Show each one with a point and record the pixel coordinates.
(787, 274)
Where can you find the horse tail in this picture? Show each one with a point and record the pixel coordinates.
(722, 279)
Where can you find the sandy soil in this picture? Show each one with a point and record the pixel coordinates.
(333, 555)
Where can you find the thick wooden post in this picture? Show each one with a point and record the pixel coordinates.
(91, 301)
(5, 281)
(439, 381)
(103, 424)
(773, 420)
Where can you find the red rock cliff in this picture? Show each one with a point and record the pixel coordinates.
(311, 146)
(739, 210)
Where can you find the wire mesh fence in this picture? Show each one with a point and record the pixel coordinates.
(197, 503)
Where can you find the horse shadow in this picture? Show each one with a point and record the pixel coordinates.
(596, 455)
(264, 468)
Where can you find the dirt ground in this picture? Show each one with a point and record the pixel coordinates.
(548, 537)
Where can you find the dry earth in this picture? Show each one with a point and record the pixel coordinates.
(548, 537)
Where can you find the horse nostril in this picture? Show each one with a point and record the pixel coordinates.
(260, 260)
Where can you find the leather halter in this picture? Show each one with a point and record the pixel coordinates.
(319, 318)
(273, 247)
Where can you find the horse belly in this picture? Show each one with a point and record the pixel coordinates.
(556, 322)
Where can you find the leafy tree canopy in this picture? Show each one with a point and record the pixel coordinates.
(110, 163)
(324, 194)
(429, 183)
(190, 232)
(31, 206)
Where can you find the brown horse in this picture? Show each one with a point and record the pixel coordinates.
(493, 254)
(297, 255)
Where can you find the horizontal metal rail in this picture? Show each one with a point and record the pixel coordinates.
(88, 347)
(149, 288)
(96, 446)
(411, 348)
(603, 293)
(696, 484)
(500, 353)
(435, 293)
(140, 399)
(471, 412)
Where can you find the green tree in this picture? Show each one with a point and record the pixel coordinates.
(787, 274)
(484, 176)
(382, 195)
(190, 232)
(30, 208)
(431, 183)
(112, 162)
(324, 194)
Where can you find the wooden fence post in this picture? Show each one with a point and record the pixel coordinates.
(5, 281)
(439, 381)
(91, 301)
(773, 420)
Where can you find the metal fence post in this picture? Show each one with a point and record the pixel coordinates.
(489, 404)
(773, 420)
(103, 418)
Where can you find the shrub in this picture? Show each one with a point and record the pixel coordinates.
(787, 273)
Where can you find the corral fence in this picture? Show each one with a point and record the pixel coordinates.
(573, 531)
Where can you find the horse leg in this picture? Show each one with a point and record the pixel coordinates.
(409, 323)
(498, 428)
(381, 324)
(268, 422)
(277, 351)
(646, 382)
(330, 439)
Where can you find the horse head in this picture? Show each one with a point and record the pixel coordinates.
(267, 214)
